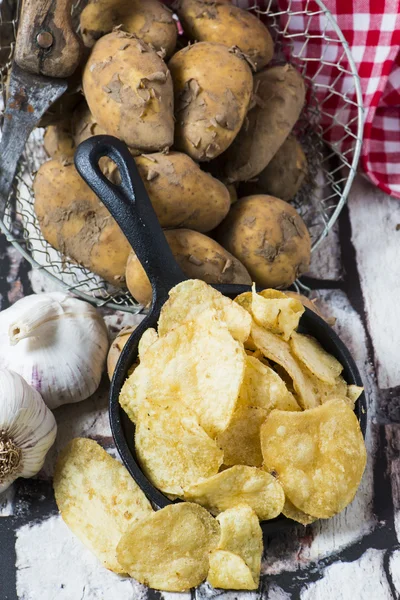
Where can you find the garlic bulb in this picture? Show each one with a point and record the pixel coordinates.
(27, 429)
(57, 343)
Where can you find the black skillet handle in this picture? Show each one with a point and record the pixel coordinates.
(131, 207)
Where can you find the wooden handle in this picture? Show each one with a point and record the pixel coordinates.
(46, 42)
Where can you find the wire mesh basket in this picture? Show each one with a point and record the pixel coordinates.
(330, 129)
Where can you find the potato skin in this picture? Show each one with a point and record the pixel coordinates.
(84, 125)
(59, 142)
(213, 87)
(129, 92)
(279, 99)
(227, 24)
(150, 20)
(269, 237)
(199, 257)
(181, 193)
(74, 221)
(284, 175)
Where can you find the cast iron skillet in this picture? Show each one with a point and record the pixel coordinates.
(130, 206)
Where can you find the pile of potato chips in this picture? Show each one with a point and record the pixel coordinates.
(237, 414)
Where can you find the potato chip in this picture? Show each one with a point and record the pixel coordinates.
(322, 364)
(173, 450)
(97, 498)
(241, 534)
(318, 456)
(170, 549)
(198, 364)
(245, 300)
(326, 391)
(277, 350)
(240, 442)
(237, 485)
(292, 512)
(229, 571)
(273, 310)
(148, 338)
(276, 312)
(354, 392)
(189, 299)
(264, 388)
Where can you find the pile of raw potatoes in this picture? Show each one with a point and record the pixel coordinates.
(207, 122)
(238, 415)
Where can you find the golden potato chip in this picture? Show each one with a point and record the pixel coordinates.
(229, 571)
(354, 392)
(170, 549)
(237, 485)
(318, 456)
(272, 294)
(198, 364)
(189, 299)
(261, 391)
(264, 388)
(241, 534)
(148, 338)
(97, 498)
(277, 350)
(276, 312)
(240, 442)
(292, 512)
(244, 300)
(173, 449)
(310, 352)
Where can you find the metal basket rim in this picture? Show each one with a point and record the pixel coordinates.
(135, 309)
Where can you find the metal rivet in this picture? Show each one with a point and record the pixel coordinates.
(44, 39)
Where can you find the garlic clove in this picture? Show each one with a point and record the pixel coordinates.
(27, 429)
(57, 343)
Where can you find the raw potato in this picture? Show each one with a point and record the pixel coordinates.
(269, 237)
(232, 193)
(193, 297)
(59, 142)
(150, 20)
(199, 257)
(182, 195)
(279, 99)
(97, 498)
(74, 221)
(213, 88)
(227, 24)
(318, 456)
(284, 175)
(84, 125)
(173, 450)
(129, 92)
(237, 485)
(169, 551)
(116, 348)
(179, 368)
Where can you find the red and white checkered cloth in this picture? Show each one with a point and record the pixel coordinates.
(372, 29)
